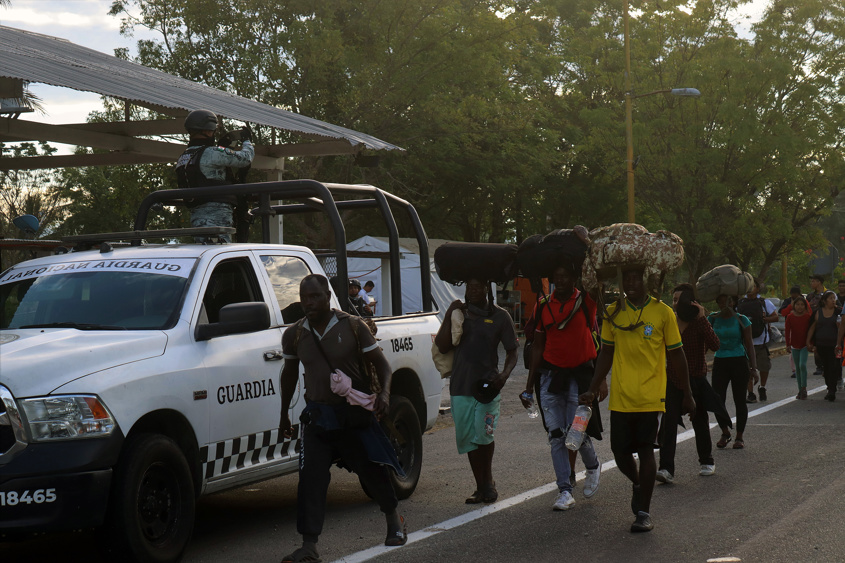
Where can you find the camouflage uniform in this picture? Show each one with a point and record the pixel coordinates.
(213, 163)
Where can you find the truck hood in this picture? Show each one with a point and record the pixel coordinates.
(35, 362)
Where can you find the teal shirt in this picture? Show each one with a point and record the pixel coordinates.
(730, 334)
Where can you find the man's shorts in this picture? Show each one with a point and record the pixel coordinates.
(631, 432)
(475, 422)
(764, 363)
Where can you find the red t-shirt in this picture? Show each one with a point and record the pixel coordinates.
(573, 345)
(796, 329)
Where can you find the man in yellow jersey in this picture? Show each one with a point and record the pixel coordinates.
(636, 342)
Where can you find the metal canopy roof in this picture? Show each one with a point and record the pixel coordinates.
(32, 57)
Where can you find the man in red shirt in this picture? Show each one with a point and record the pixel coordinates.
(562, 357)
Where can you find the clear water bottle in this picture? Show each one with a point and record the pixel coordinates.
(575, 436)
(532, 409)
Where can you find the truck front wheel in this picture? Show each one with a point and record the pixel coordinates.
(153, 501)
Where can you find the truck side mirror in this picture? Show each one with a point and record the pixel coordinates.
(237, 318)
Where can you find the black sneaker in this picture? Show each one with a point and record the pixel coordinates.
(818, 372)
(752, 398)
(643, 523)
(762, 391)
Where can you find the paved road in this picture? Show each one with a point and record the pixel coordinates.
(780, 499)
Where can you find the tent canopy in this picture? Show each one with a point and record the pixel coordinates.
(375, 269)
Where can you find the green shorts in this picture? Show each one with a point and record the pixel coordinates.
(475, 422)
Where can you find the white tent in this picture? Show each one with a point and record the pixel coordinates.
(376, 269)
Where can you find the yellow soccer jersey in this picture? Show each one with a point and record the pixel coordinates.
(638, 377)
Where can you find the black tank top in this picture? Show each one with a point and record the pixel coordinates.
(826, 329)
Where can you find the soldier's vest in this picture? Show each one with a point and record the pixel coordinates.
(189, 175)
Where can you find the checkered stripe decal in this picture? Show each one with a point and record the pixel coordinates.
(245, 451)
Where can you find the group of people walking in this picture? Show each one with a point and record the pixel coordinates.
(658, 358)
(657, 355)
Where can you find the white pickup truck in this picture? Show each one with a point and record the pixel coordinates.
(134, 379)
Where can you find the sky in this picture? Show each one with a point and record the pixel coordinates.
(87, 23)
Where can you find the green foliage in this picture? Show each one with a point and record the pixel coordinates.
(512, 112)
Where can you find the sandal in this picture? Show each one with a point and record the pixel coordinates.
(397, 537)
(739, 444)
(724, 441)
(303, 555)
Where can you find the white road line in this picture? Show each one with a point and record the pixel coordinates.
(452, 523)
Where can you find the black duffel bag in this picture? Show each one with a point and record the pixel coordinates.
(458, 262)
(538, 256)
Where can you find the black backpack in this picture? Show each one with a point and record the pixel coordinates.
(755, 310)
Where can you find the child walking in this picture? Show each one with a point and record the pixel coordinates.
(797, 326)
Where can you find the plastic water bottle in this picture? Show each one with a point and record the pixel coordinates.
(575, 436)
(532, 409)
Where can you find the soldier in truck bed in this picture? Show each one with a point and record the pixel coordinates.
(205, 164)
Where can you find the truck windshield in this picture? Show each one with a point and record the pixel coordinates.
(109, 299)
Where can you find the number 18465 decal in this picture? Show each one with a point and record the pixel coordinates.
(402, 344)
(14, 498)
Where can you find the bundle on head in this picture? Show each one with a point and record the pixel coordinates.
(726, 279)
(539, 256)
(624, 246)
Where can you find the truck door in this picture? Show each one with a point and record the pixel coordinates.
(284, 272)
(243, 377)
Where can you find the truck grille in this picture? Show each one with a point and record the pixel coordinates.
(12, 438)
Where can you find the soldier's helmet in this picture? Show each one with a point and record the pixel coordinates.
(201, 120)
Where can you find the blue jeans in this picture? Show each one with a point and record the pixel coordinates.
(558, 413)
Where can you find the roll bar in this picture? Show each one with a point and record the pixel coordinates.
(315, 197)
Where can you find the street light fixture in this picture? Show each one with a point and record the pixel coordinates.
(629, 113)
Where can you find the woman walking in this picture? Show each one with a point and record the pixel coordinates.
(697, 336)
(730, 364)
(822, 338)
(796, 332)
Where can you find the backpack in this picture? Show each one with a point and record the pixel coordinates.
(755, 310)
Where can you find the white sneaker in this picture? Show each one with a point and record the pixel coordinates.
(664, 476)
(707, 470)
(591, 482)
(564, 501)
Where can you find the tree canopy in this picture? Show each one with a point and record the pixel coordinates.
(512, 111)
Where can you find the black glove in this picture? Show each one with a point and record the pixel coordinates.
(246, 134)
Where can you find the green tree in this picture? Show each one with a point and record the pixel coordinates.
(742, 173)
(454, 82)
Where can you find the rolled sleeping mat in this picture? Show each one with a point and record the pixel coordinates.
(459, 262)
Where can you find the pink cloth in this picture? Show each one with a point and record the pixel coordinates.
(341, 385)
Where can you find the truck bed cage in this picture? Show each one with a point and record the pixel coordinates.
(315, 197)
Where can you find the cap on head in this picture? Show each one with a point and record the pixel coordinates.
(355, 283)
(201, 120)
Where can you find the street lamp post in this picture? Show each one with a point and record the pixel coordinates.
(629, 113)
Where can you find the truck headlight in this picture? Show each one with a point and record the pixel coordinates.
(67, 417)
